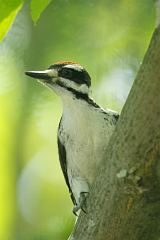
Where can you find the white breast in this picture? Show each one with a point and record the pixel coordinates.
(85, 136)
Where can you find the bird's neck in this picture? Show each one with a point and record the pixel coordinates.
(77, 107)
(74, 104)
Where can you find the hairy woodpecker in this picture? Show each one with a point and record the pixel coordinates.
(84, 129)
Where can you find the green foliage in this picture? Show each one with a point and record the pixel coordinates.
(7, 7)
(37, 7)
(109, 38)
(8, 11)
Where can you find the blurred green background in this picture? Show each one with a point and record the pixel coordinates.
(109, 38)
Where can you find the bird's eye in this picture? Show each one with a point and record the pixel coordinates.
(66, 73)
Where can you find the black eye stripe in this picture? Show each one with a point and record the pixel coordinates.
(80, 77)
(66, 73)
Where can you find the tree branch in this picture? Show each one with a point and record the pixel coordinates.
(124, 202)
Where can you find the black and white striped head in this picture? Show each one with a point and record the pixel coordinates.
(64, 77)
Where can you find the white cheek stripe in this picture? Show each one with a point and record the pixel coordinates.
(70, 84)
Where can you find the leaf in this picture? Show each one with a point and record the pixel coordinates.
(37, 7)
(6, 7)
(9, 15)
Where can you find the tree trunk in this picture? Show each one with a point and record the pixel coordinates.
(124, 202)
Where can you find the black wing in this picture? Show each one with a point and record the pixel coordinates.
(116, 117)
(63, 163)
(111, 116)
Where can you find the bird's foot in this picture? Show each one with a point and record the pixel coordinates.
(81, 203)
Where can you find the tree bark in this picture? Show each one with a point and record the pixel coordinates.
(124, 202)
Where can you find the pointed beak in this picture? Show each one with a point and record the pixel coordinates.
(46, 75)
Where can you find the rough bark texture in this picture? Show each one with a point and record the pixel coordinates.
(124, 202)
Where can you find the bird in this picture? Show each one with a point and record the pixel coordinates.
(84, 129)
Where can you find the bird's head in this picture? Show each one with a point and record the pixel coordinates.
(64, 78)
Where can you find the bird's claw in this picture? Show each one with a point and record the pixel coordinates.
(82, 203)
